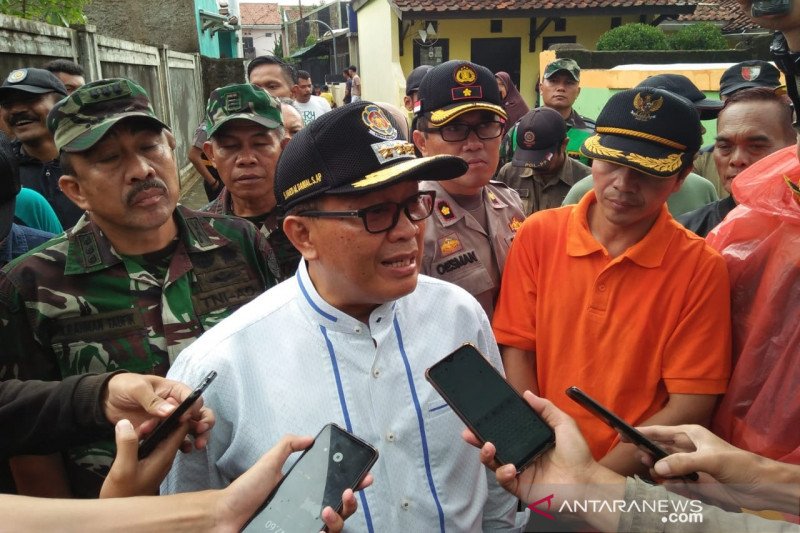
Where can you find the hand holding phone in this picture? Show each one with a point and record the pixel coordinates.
(169, 424)
(616, 423)
(490, 407)
(336, 461)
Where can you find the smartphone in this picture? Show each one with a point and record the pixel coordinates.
(615, 422)
(336, 461)
(168, 425)
(490, 407)
(765, 8)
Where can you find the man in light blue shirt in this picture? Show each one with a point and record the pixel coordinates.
(348, 338)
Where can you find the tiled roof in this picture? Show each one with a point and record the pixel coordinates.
(477, 6)
(726, 11)
(293, 13)
(257, 14)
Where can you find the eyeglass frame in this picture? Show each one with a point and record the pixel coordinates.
(471, 128)
(400, 207)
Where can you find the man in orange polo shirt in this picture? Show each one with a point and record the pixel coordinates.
(613, 295)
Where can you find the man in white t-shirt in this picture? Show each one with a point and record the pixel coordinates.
(311, 107)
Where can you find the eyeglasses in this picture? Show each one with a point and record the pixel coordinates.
(460, 131)
(384, 216)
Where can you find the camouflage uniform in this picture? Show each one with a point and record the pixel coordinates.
(248, 102)
(286, 255)
(75, 306)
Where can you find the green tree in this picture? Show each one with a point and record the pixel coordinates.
(58, 12)
(277, 50)
(311, 40)
(633, 37)
(700, 36)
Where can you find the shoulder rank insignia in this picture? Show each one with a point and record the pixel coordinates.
(449, 244)
(515, 224)
(445, 210)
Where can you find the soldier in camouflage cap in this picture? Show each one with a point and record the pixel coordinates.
(245, 140)
(138, 278)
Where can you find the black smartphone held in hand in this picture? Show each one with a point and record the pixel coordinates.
(335, 462)
(616, 423)
(168, 425)
(766, 8)
(490, 407)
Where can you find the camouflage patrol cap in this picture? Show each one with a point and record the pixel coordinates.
(80, 120)
(569, 66)
(242, 101)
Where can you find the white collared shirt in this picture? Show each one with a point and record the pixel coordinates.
(288, 362)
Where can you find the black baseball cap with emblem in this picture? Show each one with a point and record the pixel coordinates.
(353, 149)
(679, 84)
(540, 133)
(651, 130)
(749, 74)
(456, 87)
(415, 78)
(31, 80)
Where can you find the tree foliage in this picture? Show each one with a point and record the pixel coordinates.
(58, 12)
(633, 37)
(277, 50)
(701, 36)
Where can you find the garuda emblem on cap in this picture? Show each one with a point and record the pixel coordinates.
(379, 126)
(17, 76)
(751, 73)
(465, 75)
(644, 106)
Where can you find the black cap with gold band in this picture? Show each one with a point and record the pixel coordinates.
(456, 87)
(353, 149)
(651, 130)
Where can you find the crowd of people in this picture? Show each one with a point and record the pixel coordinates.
(343, 251)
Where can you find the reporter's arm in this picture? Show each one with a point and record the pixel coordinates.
(40, 417)
(744, 478)
(520, 368)
(680, 409)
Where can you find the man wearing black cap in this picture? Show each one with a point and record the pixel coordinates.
(696, 191)
(348, 338)
(754, 123)
(26, 97)
(745, 75)
(612, 295)
(412, 86)
(540, 171)
(460, 113)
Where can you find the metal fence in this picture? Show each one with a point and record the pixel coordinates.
(172, 79)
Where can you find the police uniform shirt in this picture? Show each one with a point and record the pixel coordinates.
(457, 247)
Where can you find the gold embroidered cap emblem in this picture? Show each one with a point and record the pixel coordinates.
(374, 118)
(465, 75)
(645, 106)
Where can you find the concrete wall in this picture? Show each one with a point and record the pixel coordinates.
(382, 78)
(172, 79)
(152, 22)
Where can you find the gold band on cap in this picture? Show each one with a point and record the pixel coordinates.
(670, 164)
(641, 135)
(440, 117)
